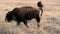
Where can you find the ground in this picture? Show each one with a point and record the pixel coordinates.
(50, 21)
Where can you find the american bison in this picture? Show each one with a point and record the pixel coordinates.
(23, 14)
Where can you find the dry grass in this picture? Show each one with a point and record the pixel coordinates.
(50, 22)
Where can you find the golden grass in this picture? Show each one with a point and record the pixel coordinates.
(50, 21)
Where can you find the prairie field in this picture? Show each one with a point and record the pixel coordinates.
(50, 20)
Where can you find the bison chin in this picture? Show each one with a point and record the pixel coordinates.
(9, 17)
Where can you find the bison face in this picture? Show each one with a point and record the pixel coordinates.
(9, 16)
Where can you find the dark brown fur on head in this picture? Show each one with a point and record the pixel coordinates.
(9, 16)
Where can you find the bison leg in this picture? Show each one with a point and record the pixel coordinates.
(37, 19)
(18, 23)
(25, 22)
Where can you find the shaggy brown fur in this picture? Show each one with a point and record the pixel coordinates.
(23, 14)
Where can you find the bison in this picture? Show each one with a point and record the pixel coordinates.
(23, 14)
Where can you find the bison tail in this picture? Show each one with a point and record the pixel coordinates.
(40, 5)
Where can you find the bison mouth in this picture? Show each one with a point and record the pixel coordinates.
(7, 20)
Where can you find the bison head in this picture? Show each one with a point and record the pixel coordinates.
(9, 16)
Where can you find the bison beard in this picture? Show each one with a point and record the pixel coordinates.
(23, 14)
